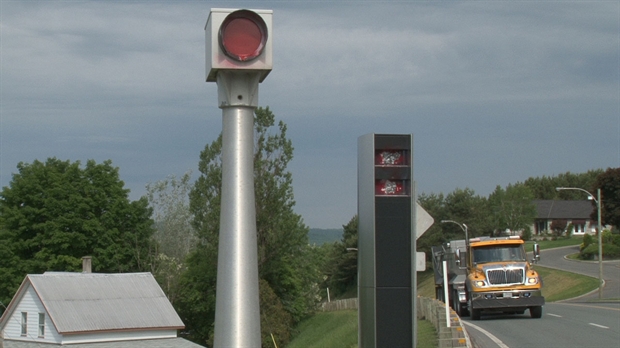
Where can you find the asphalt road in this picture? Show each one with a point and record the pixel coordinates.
(585, 321)
(562, 325)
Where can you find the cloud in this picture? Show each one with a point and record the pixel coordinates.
(493, 91)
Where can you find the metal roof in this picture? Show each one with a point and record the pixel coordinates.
(558, 209)
(86, 302)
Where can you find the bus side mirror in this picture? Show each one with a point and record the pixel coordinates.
(536, 252)
(457, 253)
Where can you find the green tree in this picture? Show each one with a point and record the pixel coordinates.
(464, 206)
(341, 269)
(56, 212)
(174, 235)
(609, 183)
(512, 208)
(544, 187)
(283, 253)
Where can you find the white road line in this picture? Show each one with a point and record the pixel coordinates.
(597, 325)
(488, 334)
(554, 315)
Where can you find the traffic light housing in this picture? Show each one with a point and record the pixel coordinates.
(239, 40)
(386, 240)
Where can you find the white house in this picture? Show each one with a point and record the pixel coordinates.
(125, 310)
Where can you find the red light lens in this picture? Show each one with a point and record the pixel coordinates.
(243, 35)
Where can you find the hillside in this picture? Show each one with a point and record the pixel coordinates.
(321, 236)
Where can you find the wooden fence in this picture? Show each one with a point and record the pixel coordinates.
(338, 305)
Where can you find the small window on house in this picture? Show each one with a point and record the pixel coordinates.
(24, 323)
(41, 324)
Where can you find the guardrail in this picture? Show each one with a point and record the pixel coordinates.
(435, 311)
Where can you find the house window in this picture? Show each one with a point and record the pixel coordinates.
(41, 324)
(24, 323)
(579, 226)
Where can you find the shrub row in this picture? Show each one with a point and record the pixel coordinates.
(611, 246)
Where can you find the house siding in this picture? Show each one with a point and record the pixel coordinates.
(30, 304)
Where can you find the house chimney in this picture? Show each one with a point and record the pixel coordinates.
(87, 262)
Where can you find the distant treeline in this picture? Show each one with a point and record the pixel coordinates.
(320, 236)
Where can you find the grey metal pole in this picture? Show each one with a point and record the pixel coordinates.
(600, 246)
(237, 310)
(414, 262)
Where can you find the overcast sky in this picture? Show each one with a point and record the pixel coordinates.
(494, 92)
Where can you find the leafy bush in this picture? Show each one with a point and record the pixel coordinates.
(588, 252)
(587, 240)
(527, 234)
(611, 251)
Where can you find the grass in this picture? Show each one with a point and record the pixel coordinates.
(339, 330)
(561, 285)
(427, 335)
(426, 283)
(327, 329)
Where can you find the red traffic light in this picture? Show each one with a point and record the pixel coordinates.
(242, 35)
